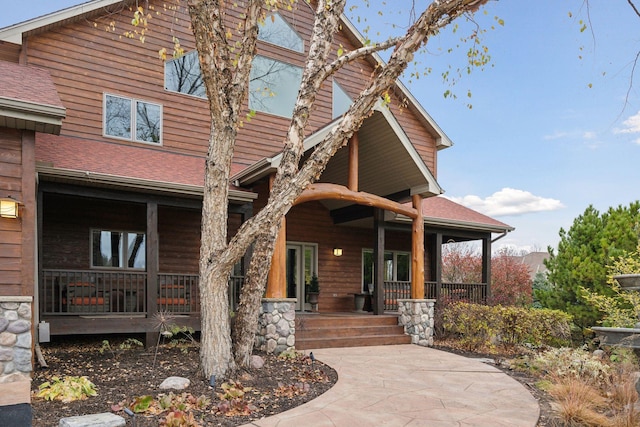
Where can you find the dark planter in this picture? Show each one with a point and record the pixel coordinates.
(628, 282)
(622, 337)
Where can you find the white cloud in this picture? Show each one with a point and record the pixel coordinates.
(589, 135)
(632, 124)
(509, 201)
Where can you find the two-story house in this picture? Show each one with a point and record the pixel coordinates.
(102, 144)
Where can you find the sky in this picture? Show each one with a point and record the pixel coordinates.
(554, 123)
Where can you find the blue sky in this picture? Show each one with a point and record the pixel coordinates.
(539, 144)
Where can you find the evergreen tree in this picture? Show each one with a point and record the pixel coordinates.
(582, 258)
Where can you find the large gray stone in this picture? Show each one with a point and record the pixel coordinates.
(175, 383)
(105, 419)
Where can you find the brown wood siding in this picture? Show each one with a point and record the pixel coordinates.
(11, 230)
(9, 52)
(86, 61)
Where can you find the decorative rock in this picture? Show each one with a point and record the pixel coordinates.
(105, 419)
(11, 315)
(257, 362)
(24, 311)
(176, 383)
(24, 341)
(598, 353)
(10, 305)
(4, 323)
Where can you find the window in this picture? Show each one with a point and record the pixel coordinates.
(341, 101)
(183, 75)
(273, 86)
(118, 249)
(397, 267)
(132, 119)
(277, 31)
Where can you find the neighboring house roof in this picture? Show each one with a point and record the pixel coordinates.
(442, 212)
(535, 262)
(29, 99)
(388, 162)
(14, 34)
(75, 159)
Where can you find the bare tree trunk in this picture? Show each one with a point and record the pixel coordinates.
(249, 308)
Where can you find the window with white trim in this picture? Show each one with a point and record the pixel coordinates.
(132, 119)
(118, 249)
(397, 267)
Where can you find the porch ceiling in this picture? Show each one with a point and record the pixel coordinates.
(389, 164)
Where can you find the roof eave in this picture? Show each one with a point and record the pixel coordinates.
(451, 223)
(42, 118)
(14, 33)
(236, 196)
(442, 140)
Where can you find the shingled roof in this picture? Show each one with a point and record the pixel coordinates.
(441, 211)
(29, 99)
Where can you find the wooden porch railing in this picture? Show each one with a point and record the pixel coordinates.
(469, 292)
(84, 292)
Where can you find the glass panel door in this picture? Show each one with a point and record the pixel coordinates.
(301, 265)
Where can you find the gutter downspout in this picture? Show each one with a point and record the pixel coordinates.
(504, 233)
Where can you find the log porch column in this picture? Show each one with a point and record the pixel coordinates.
(353, 163)
(276, 282)
(486, 264)
(417, 250)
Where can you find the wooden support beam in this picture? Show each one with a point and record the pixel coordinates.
(353, 162)
(417, 251)
(152, 261)
(277, 279)
(437, 257)
(486, 263)
(378, 257)
(323, 191)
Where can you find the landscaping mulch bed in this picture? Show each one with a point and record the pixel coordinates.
(125, 374)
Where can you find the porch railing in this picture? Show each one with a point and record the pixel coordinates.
(85, 292)
(469, 292)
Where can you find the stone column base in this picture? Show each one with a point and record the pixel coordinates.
(276, 325)
(417, 317)
(15, 350)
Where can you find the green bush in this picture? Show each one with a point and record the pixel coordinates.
(485, 326)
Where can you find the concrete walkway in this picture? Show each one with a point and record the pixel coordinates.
(408, 385)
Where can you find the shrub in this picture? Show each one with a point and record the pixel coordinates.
(483, 326)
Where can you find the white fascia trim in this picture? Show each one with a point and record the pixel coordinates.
(13, 33)
(443, 140)
(37, 112)
(450, 223)
(138, 183)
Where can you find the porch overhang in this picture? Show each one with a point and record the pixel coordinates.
(388, 162)
(136, 184)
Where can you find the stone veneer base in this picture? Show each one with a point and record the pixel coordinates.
(276, 325)
(417, 317)
(15, 349)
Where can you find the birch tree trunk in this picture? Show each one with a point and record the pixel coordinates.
(225, 61)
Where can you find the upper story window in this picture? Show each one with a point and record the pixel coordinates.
(118, 249)
(183, 75)
(132, 119)
(273, 86)
(277, 31)
(341, 101)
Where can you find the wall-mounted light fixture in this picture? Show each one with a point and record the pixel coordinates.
(9, 207)
(337, 251)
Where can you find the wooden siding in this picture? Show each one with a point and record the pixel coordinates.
(17, 236)
(86, 61)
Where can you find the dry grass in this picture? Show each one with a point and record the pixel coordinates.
(578, 403)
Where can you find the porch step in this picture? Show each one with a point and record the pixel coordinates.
(327, 331)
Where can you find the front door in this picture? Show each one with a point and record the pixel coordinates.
(301, 265)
